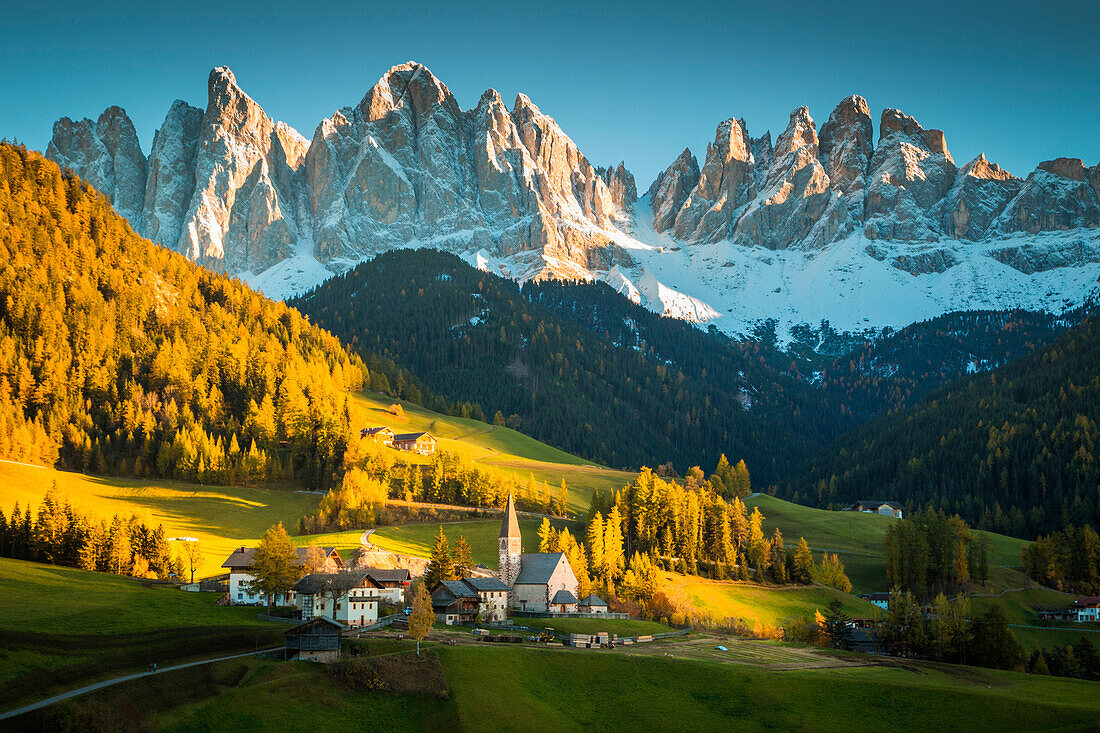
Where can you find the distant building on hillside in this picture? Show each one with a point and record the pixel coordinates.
(240, 574)
(422, 443)
(886, 508)
(882, 600)
(1087, 609)
(381, 435)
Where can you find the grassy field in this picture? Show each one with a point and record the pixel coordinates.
(524, 688)
(857, 539)
(482, 534)
(501, 448)
(727, 599)
(622, 627)
(221, 517)
(1021, 608)
(63, 626)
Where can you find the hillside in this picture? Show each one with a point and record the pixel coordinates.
(577, 365)
(1012, 451)
(122, 357)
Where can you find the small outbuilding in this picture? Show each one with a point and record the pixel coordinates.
(315, 641)
(885, 508)
(592, 603)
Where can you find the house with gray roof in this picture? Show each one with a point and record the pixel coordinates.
(350, 597)
(886, 508)
(240, 563)
(462, 601)
(592, 603)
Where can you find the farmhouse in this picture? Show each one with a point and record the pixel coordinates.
(422, 443)
(886, 508)
(317, 640)
(1087, 609)
(391, 581)
(462, 601)
(535, 578)
(240, 574)
(882, 600)
(381, 435)
(350, 597)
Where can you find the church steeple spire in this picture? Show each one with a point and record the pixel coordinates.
(510, 544)
(510, 526)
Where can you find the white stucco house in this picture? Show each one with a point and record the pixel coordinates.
(239, 564)
(350, 597)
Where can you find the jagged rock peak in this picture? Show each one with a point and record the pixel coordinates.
(1071, 168)
(895, 122)
(107, 154)
(980, 167)
(726, 183)
(171, 178)
(411, 84)
(671, 188)
(620, 182)
(846, 144)
(800, 133)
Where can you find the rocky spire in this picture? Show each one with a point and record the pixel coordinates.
(726, 183)
(845, 149)
(978, 196)
(241, 216)
(796, 195)
(911, 170)
(171, 181)
(668, 193)
(105, 153)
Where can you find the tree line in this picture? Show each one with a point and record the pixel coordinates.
(59, 534)
(931, 553)
(1068, 560)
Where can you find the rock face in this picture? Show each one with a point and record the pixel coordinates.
(106, 153)
(791, 207)
(241, 215)
(725, 184)
(1058, 195)
(910, 172)
(672, 187)
(171, 181)
(845, 149)
(406, 166)
(977, 197)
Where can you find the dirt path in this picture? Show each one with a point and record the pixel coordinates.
(125, 678)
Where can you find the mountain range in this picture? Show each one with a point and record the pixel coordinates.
(824, 225)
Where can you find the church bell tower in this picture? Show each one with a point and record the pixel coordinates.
(511, 545)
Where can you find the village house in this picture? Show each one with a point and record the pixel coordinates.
(317, 640)
(882, 600)
(462, 601)
(1087, 609)
(381, 435)
(885, 508)
(240, 574)
(592, 604)
(350, 597)
(392, 582)
(535, 578)
(422, 443)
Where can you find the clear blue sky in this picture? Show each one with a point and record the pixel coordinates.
(636, 81)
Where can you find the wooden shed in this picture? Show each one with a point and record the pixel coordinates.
(317, 640)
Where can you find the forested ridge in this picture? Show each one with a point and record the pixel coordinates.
(119, 356)
(1013, 450)
(577, 365)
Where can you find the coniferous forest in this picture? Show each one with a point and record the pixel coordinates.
(1013, 450)
(119, 356)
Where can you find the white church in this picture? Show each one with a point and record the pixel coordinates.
(540, 582)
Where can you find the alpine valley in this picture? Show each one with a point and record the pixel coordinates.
(825, 228)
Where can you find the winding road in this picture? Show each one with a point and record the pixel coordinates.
(125, 678)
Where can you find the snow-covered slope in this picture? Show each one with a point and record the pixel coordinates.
(826, 225)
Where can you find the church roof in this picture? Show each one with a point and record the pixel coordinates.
(510, 526)
(537, 567)
(563, 596)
